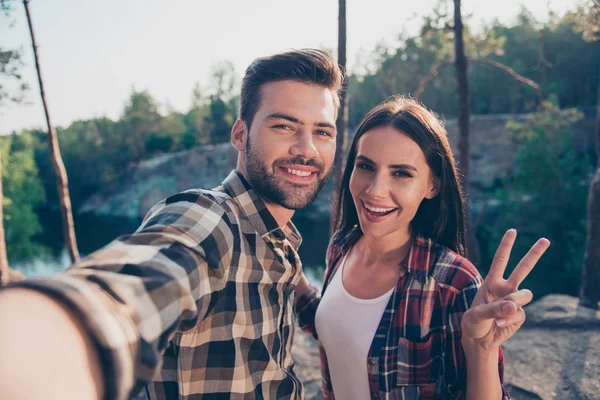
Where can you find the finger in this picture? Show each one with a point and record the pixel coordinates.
(517, 319)
(528, 262)
(497, 309)
(502, 254)
(520, 297)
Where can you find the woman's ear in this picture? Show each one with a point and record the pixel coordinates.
(239, 135)
(434, 188)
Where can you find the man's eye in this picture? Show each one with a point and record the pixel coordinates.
(324, 133)
(282, 126)
(364, 166)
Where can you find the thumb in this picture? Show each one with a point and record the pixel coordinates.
(497, 309)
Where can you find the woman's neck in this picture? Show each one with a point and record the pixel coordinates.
(382, 250)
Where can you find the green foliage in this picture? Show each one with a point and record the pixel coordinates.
(586, 20)
(140, 120)
(552, 54)
(23, 193)
(99, 151)
(222, 118)
(12, 86)
(546, 197)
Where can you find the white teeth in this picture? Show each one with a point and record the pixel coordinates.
(378, 210)
(298, 173)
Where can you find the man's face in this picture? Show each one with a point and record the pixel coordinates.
(290, 146)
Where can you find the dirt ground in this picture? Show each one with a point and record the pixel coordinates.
(554, 356)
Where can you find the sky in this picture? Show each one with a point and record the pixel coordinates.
(94, 53)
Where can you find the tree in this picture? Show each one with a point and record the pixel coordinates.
(342, 118)
(57, 162)
(545, 196)
(460, 63)
(197, 129)
(7, 274)
(3, 258)
(10, 67)
(223, 80)
(23, 194)
(222, 102)
(140, 119)
(221, 118)
(589, 294)
(10, 64)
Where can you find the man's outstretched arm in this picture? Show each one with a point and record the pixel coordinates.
(65, 356)
(127, 299)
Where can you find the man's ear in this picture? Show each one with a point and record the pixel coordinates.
(239, 135)
(434, 189)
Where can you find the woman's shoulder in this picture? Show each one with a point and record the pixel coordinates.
(452, 270)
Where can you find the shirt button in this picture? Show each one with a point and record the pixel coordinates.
(372, 361)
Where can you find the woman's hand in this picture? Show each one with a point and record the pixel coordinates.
(497, 313)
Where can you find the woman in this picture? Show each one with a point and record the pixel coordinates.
(392, 319)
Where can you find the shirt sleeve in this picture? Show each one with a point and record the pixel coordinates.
(135, 293)
(306, 309)
(455, 364)
(307, 304)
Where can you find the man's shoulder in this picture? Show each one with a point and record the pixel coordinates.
(209, 207)
(453, 271)
(200, 196)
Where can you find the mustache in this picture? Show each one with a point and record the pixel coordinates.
(310, 162)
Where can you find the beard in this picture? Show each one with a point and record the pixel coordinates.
(292, 196)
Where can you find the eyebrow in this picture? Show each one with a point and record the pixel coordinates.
(297, 121)
(392, 166)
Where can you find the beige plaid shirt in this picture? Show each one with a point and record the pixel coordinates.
(196, 304)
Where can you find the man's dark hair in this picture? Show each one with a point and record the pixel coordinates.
(304, 65)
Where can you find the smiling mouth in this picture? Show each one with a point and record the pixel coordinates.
(298, 175)
(378, 211)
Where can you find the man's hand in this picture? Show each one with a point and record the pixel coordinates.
(497, 313)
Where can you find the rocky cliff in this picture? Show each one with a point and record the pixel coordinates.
(492, 158)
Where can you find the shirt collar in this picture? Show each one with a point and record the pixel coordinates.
(418, 262)
(253, 206)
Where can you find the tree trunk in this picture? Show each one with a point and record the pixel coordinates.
(3, 257)
(57, 162)
(589, 294)
(6, 274)
(460, 63)
(342, 119)
(462, 89)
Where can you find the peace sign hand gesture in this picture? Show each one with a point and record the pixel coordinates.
(497, 313)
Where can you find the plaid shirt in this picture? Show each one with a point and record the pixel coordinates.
(416, 352)
(196, 304)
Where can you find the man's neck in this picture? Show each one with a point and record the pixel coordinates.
(281, 214)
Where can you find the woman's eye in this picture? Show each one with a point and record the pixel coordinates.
(402, 174)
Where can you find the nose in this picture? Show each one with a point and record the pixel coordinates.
(377, 187)
(304, 145)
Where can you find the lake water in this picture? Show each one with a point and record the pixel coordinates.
(94, 232)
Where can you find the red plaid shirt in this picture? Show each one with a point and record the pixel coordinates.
(416, 352)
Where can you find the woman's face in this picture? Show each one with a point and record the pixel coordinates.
(389, 180)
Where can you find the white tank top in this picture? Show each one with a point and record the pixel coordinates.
(346, 326)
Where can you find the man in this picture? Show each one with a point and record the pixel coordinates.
(198, 302)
